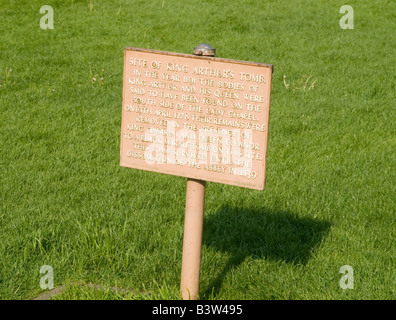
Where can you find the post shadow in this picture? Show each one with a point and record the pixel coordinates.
(265, 233)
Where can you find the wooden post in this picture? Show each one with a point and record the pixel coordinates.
(193, 222)
(192, 239)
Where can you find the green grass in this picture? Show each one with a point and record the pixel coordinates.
(330, 189)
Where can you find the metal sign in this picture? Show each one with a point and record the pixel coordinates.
(194, 116)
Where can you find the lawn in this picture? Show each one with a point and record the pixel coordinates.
(111, 232)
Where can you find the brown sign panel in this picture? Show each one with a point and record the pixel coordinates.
(198, 117)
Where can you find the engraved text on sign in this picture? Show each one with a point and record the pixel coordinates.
(198, 117)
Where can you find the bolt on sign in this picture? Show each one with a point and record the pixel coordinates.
(203, 118)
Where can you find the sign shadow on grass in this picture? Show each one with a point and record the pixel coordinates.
(260, 234)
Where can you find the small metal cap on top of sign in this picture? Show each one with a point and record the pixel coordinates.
(204, 49)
